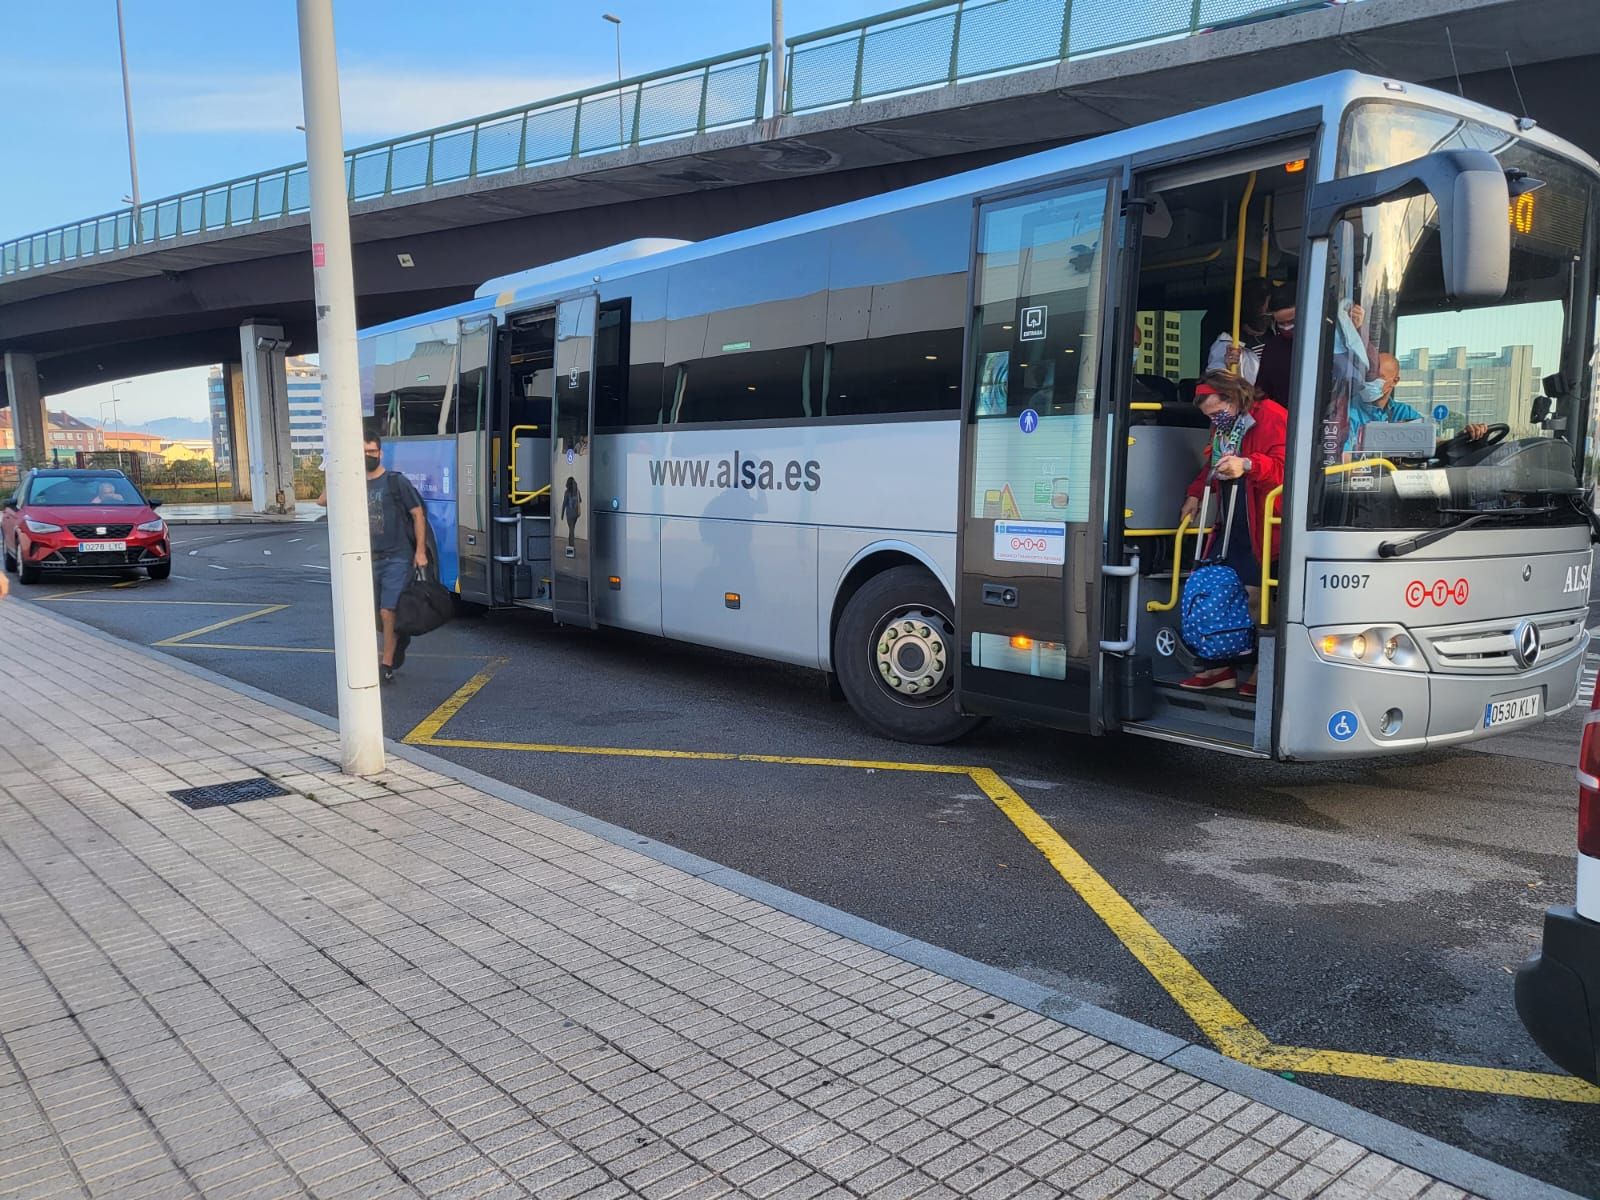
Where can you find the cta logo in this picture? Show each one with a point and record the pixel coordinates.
(1441, 592)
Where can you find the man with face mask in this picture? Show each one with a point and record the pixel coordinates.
(1375, 402)
(398, 524)
(1255, 326)
(1277, 351)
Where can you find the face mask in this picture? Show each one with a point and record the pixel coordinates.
(1136, 358)
(1224, 420)
(373, 462)
(1285, 328)
(1372, 391)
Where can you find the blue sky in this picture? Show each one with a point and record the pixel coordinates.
(216, 92)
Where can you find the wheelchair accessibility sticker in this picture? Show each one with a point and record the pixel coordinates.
(1342, 725)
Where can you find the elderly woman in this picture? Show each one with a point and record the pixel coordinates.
(1243, 463)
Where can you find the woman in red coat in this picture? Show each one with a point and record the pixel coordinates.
(1245, 459)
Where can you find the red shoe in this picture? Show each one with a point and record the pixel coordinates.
(1247, 690)
(1222, 679)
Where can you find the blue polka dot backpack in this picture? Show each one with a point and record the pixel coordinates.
(1215, 622)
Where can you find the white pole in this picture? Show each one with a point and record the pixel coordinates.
(127, 109)
(349, 545)
(777, 59)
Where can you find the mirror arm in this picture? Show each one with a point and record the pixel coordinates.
(1433, 173)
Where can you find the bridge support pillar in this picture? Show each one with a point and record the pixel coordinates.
(29, 421)
(266, 411)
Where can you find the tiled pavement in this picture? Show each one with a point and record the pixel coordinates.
(405, 987)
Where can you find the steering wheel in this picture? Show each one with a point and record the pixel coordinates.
(1458, 447)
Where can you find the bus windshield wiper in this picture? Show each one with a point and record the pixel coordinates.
(1478, 517)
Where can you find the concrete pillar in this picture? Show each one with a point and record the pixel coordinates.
(29, 421)
(266, 404)
(238, 431)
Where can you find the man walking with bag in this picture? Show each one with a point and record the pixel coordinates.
(399, 527)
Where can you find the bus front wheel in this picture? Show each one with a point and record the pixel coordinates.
(894, 652)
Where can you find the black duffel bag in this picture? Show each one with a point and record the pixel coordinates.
(424, 605)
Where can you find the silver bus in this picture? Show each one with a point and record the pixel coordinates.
(937, 443)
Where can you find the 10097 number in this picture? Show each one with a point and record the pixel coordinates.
(1345, 582)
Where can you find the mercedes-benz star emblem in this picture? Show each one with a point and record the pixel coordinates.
(1526, 644)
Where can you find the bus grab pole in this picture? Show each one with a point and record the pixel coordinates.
(349, 543)
(1238, 261)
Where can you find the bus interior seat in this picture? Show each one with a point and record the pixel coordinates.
(1164, 389)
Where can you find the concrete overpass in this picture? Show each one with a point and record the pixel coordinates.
(182, 299)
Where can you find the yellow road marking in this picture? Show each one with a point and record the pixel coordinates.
(431, 724)
(1218, 1019)
(1536, 1085)
(1233, 1034)
(179, 639)
(1231, 1031)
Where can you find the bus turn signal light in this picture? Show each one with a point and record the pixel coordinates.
(731, 599)
(1021, 642)
(616, 582)
(1295, 166)
(1589, 782)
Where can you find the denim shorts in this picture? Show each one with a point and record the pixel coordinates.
(389, 579)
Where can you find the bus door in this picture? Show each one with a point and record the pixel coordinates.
(1029, 551)
(474, 533)
(571, 497)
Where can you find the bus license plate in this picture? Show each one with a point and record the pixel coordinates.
(1516, 708)
(101, 547)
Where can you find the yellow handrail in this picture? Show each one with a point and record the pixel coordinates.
(512, 495)
(1144, 406)
(1268, 520)
(1356, 464)
(1177, 571)
(1238, 259)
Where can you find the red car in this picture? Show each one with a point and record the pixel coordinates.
(67, 520)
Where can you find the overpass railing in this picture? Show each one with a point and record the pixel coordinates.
(923, 46)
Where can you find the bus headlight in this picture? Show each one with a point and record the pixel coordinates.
(1378, 646)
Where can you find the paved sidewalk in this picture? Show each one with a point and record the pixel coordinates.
(404, 986)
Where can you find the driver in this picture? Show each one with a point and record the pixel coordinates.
(107, 493)
(1375, 402)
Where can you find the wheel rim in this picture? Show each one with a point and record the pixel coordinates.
(910, 654)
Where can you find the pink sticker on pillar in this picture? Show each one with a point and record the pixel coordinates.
(319, 254)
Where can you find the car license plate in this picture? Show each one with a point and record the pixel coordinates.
(1512, 709)
(101, 547)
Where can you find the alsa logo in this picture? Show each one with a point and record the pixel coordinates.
(1578, 578)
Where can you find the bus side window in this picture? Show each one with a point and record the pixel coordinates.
(896, 309)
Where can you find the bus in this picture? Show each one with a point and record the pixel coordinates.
(936, 443)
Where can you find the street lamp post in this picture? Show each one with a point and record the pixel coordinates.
(622, 138)
(115, 400)
(127, 110)
(777, 59)
(333, 287)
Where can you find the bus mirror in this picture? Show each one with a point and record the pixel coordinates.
(1473, 195)
(1542, 407)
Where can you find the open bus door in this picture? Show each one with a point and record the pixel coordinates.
(475, 402)
(1038, 421)
(571, 446)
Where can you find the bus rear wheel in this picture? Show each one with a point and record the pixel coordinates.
(894, 654)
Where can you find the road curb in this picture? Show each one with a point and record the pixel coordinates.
(1454, 1166)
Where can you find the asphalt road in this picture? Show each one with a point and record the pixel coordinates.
(1379, 909)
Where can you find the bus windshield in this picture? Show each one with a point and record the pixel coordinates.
(1431, 413)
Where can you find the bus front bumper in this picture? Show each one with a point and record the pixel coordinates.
(1338, 710)
(1558, 993)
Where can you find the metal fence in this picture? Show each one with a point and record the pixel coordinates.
(910, 49)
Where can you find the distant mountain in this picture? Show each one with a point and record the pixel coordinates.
(172, 429)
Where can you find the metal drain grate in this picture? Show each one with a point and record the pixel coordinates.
(217, 795)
